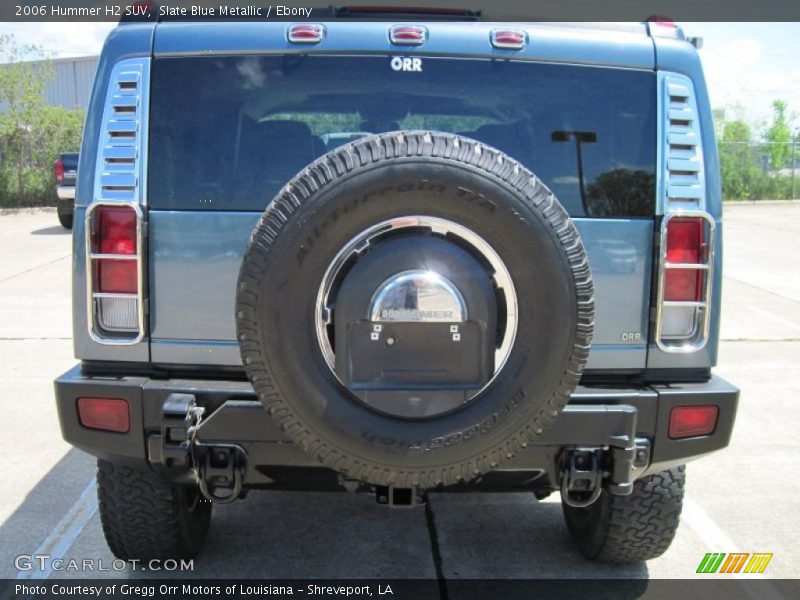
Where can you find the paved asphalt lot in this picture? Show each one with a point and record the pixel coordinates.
(746, 498)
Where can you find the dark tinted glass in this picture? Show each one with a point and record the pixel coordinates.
(228, 133)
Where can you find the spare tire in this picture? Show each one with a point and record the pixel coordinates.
(349, 206)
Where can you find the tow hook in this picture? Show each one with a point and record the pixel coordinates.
(220, 471)
(217, 468)
(587, 471)
(581, 478)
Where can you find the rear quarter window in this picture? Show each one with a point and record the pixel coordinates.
(226, 133)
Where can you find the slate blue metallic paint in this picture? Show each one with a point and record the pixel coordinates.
(680, 57)
(192, 318)
(195, 257)
(123, 42)
(549, 43)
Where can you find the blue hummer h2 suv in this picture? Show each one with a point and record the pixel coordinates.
(397, 258)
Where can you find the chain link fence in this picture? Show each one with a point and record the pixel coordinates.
(760, 170)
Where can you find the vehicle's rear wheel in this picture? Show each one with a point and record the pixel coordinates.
(414, 308)
(65, 219)
(145, 517)
(630, 529)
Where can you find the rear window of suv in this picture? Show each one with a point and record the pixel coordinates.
(226, 133)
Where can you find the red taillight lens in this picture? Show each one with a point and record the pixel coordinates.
(305, 34)
(682, 286)
(684, 240)
(692, 421)
(407, 35)
(58, 171)
(116, 230)
(109, 414)
(117, 276)
(685, 245)
(512, 39)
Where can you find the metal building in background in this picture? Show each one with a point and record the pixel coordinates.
(72, 82)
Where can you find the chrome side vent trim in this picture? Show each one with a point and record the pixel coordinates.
(120, 172)
(683, 185)
(120, 180)
(682, 323)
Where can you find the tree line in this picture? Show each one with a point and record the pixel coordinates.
(32, 134)
(758, 167)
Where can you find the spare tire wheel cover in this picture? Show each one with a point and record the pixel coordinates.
(480, 362)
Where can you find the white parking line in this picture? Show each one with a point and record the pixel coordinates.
(718, 541)
(64, 534)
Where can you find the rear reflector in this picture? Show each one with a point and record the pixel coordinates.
(108, 414)
(692, 421)
(509, 39)
(407, 35)
(305, 34)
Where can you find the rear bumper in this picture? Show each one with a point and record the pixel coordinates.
(65, 192)
(596, 417)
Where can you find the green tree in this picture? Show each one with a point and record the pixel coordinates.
(32, 134)
(780, 136)
(735, 131)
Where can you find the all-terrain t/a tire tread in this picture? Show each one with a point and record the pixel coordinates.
(638, 527)
(361, 155)
(145, 517)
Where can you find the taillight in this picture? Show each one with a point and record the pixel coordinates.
(685, 281)
(109, 414)
(509, 39)
(58, 171)
(408, 35)
(305, 34)
(692, 421)
(685, 247)
(116, 230)
(115, 272)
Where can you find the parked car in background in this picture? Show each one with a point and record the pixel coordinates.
(66, 172)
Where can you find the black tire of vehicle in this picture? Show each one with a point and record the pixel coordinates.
(630, 529)
(393, 175)
(145, 517)
(65, 219)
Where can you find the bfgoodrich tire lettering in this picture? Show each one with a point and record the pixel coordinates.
(390, 176)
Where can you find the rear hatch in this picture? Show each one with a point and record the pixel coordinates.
(227, 132)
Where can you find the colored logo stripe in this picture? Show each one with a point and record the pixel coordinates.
(758, 563)
(713, 562)
(734, 562)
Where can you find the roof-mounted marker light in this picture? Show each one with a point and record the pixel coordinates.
(509, 39)
(408, 35)
(307, 33)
